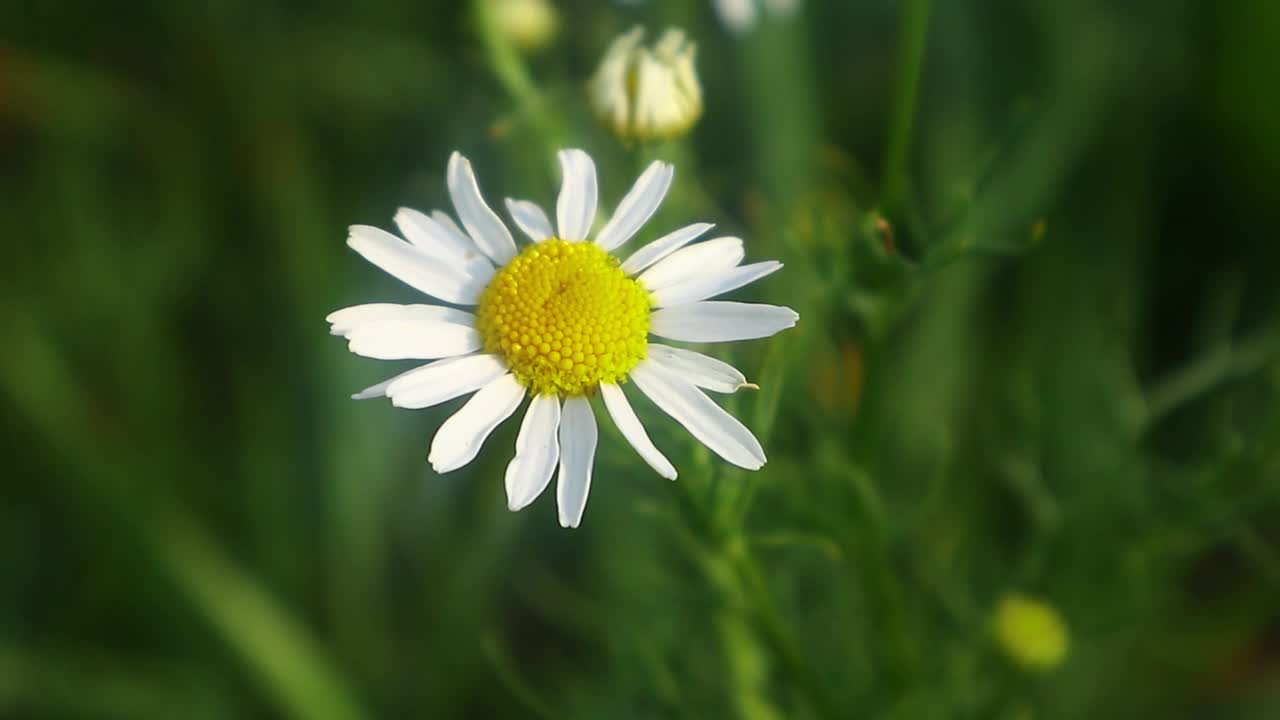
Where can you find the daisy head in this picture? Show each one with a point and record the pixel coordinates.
(560, 320)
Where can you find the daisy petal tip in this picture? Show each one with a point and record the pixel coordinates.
(369, 393)
(355, 232)
(403, 215)
(436, 462)
(441, 467)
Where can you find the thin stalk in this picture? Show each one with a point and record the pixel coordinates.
(913, 32)
(732, 569)
(288, 661)
(1218, 365)
(779, 638)
(510, 676)
(513, 74)
(868, 556)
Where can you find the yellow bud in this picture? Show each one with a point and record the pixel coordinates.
(1031, 632)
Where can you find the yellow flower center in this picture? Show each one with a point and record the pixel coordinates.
(565, 318)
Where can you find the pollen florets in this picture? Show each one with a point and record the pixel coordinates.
(565, 317)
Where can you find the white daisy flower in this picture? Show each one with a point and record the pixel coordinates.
(740, 15)
(560, 320)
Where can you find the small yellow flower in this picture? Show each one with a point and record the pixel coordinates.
(1031, 632)
(643, 93)
(528, 24)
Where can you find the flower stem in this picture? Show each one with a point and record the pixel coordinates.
(913, 32)
(1216, 366)
(513, 74)
(752, 626)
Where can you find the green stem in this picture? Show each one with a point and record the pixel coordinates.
(283, 654)
(732, 569)
(510, 676)
(779, 638)
(513, 74)
(913, 32)
(288, 661)
(1217, 366)
(868, 557)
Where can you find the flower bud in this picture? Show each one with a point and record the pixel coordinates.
(1031, 632)
(739, 16)
(643, 93)
(528, 24)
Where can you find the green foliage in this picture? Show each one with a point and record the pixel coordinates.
(1032, 247)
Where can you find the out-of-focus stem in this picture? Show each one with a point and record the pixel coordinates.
(289, 662)
(1214, 367)
(514, 75)
(913, 33)
(751, 627)
(869, 560)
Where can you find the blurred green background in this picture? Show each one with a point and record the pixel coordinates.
(1034, 249)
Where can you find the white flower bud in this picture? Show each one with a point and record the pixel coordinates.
(739, 16)
(645, 93)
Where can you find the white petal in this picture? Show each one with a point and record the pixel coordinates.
(443, 380)
(413, 267)
(415, 332)
(460, 437)
(720, 321)
(693, 262)
(482, 224)
(713, 284)
(607, 88)
(706, 421)
(440, 242)
(577, 455)
(380, 390)
(531, 220)
(638, 205)
(701, 370)
(629, 425)
(576, 206)
(537, 452)
(663, 246)
(348, 319)
(449, 224)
